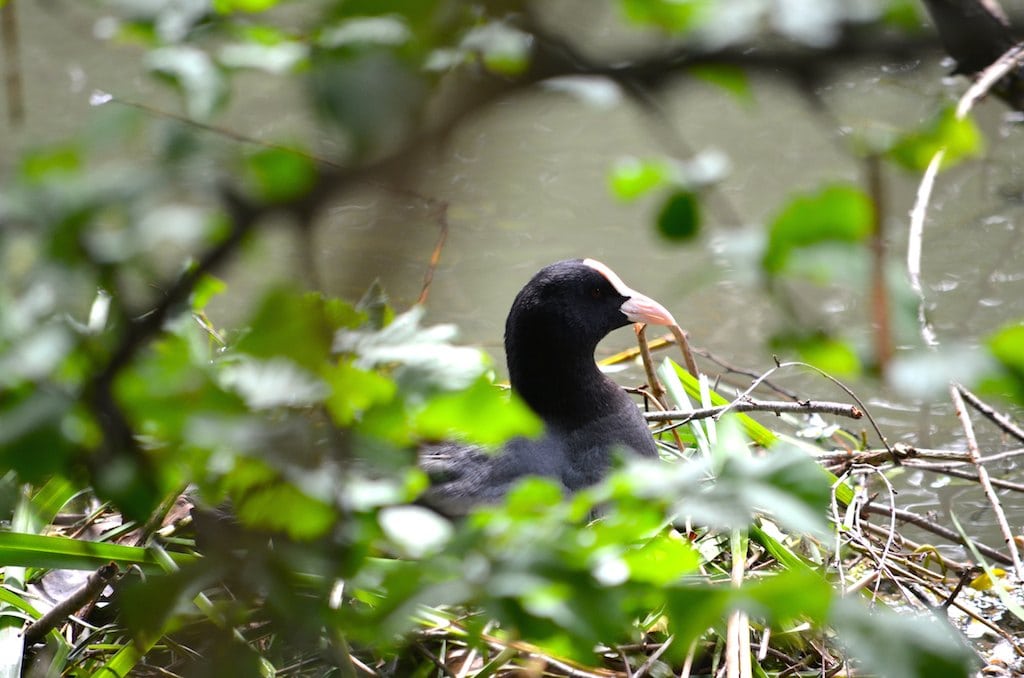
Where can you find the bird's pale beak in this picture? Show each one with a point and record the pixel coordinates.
(638, 308)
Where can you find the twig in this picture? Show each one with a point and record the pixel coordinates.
(879, 289)
(936, 529)
(435, 255)
(1001, 420)
(684, 346)
(989, 77)
(645, 354)
(84, 595)
(645, 668)
(993, 498)
(751, 405)
(13, 90)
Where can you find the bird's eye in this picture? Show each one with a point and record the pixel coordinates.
(595, 292)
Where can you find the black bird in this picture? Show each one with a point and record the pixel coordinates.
(553, 328)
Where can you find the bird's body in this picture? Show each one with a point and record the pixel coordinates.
(553, 328)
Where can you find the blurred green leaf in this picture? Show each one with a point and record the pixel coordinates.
(280, 507)
(195, 75)
(730, 79)
(903, 644)
(50, 162)
(662, 560)
(32, 442)
(679, 218)
(1007, 346)
(353, 391)
(254, 6)
(631, 178)
(838, 212)
(676, 16)
(503, 48)
(281, 175)
(293, 325)
(206, 289)
(480, 414)
(825, 352)
(960, 138)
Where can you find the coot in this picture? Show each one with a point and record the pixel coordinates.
(553, 328)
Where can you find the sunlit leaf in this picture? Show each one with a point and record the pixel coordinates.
(662, 560)
(353, 391)
(227, 6)
(280, 507)
(837, 213)
(671, 15)
(631, 178)
(731, 79)
(416, 530)
(277, 382)
(280, 175)
(502, 48)
(292, 325)
(831, 354)
(679, 218)
(481, 414)
(960, 139)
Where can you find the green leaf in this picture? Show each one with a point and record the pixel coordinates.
(827, 353)
(251, 6)
(54, 162)
(837, 213)
(676, 16)
(1007, 346)
(46, 552)
(631, 178)
(960, 138)
(280, 175)
(481, 414)
(662, 560)
(679, 218)
(32, 440)
(292, 325)
(903, 644)
(281, 507)
(353, 391)
(731, 79)
(206, 289)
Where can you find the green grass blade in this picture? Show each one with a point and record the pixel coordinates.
(48, 552)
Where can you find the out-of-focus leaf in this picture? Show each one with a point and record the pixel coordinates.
(679, 218)
(32, 442)
(890, 644)
(631, 178)
(662, 560)
(827, 353)
(254, 6)
(277, 58)
(280, 507)
(926, 374)
(1007, 346)
(372, 97)
(280, 175)
(961, 139)
(784, 483)
(676, 16)
(206, 289)
(277, 382)
(367, 30)
(416, 530)
(422, 360)
(837, 213)
(290, 324)
(503, 48)
(481, 414)
(50, 162)
(353, 391)
(192, 70)
(731, 79)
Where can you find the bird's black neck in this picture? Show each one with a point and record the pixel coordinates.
(561, 383)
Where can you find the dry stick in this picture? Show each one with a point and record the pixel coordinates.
(751, 405)
(84, 595)
(12, 74)
(435, 255)
(967, 475)
(645, 668)
(645, 355)
(972, 450)
(989, 77)
(936, 529)
(879, 292)
(657, 392)
(1000, 419)
(684, 346)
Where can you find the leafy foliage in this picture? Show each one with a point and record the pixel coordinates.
(295, 432)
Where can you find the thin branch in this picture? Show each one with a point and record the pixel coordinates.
(751, 405)
(936, 529)
(84, 595)
(993, 498)
(1001, 420)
